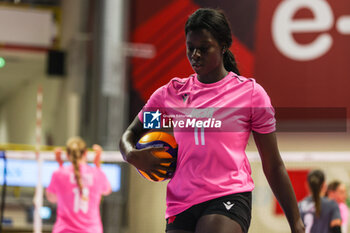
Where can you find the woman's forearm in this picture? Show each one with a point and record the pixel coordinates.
(126, 144)
(130, 137)
(281, 186)
(278, 178)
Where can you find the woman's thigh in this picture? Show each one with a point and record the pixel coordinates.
(217, 223)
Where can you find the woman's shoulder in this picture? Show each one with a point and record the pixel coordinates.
(178, 83)
(174, 84)
(329, 202)
(242, 80)
(251, 83)
(97, 172)
(93, 168)
(61, 171)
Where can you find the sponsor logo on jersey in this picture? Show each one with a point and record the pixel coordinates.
(184, 97)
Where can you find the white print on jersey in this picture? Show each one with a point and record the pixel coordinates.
(308, 207)
(81, 202)
(308, 221)
(196, 136)
(202, 113)
(309, 217)
(86, 179)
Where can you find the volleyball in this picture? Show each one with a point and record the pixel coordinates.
(159, 139)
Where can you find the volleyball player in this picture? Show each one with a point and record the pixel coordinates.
(77, 190)
(336, 191)
(319, 214)
(211, 188)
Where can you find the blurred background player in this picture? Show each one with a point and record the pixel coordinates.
(319, 214)
(336, 191)
(77, 190)
(212, 185)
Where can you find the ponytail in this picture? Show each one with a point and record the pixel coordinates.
(316, 179)
(76, 148)
(230, 62)
(76, 153)
(315, 190)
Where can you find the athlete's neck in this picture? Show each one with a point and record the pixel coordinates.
(81, 161)
(212, 77)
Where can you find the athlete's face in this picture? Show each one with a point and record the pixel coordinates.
(340, 193)
(204, 52)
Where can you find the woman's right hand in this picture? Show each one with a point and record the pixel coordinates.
(145, 161)
(299, 227)
(98, 150)
(58, 152)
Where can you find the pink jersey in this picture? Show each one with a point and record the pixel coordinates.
(75, 214)
(344, 212)
(211, 158)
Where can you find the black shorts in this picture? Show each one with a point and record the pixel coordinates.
(237, 206)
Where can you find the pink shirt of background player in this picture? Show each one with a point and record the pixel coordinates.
(212, 162)
(344, 213)
(74, 214)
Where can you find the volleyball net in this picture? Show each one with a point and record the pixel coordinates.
(21, 173)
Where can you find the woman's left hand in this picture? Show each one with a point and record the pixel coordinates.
(277, 176)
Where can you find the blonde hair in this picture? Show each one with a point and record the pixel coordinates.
(76, 148)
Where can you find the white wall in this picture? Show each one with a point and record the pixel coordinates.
(61, 101)
(19, 111)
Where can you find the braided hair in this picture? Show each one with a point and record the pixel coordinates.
(76, 148)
